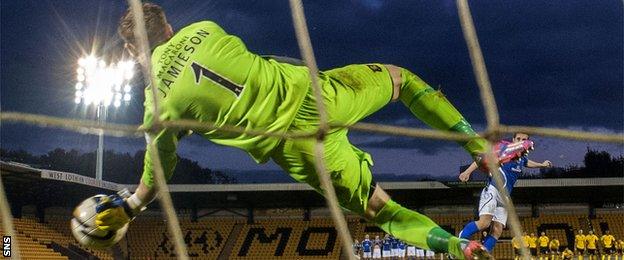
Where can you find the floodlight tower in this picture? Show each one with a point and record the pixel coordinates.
(101, 85)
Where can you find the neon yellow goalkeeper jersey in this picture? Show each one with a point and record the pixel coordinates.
(206, 75)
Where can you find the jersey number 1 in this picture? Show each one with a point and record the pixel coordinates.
(200, 71)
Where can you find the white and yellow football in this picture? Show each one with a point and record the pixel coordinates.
(86, 231)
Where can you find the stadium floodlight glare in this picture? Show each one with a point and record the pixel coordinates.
(102, 84)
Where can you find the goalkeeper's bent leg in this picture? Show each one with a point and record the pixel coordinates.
(412, 227)
(432, 107)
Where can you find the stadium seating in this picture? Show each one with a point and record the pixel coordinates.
(34, 243)
(286, 238)
(60, 226)
(148, 238)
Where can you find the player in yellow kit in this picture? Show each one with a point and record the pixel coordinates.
(619, 248)
(204, 74)
(567, 253)
(607, 241)
(591, 241)
(543, 244)
(579, 243)
(554, 247)
(516, 243)
(533, 244)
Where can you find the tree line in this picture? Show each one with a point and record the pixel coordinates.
(127, 168)
(595, 164)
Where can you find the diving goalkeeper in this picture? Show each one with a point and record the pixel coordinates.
(204, 74)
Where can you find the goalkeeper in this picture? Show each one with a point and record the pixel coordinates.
(204, 74)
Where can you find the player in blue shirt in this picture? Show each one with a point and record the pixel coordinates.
(491, 210)
(377, 241)
(401, 249)
(377, 248)
(394, 246)
(386, 247)
(367, 247)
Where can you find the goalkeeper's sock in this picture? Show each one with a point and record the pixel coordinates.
(418, 230)
(469, 230)
(489, 242)
(435, 110)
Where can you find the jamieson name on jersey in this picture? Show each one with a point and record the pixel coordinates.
(172, 59)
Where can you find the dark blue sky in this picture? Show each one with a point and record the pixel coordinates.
(551, 63)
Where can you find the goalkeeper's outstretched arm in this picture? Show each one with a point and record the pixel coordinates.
(143, 195)
(115, 211)
(115, 215)
(166, 143)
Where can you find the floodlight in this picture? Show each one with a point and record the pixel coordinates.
(101, 84)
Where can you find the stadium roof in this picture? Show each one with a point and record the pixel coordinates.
(30, 185)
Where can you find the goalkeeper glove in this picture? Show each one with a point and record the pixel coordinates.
(113, 212)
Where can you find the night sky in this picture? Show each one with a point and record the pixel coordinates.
(552, 63)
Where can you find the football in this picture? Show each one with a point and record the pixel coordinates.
(85, 230)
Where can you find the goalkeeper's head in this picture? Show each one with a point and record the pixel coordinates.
(156, 25)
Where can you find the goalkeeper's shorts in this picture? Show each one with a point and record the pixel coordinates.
(349, 94)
